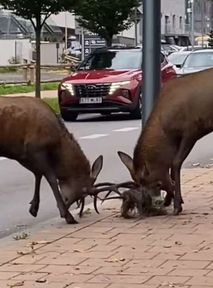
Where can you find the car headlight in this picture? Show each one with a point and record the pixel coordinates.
(69, 87)
(117, 85)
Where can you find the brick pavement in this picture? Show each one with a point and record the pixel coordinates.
(44, 94)
(106, 251)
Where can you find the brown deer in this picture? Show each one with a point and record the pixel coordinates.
(183, 114)
(32, 134)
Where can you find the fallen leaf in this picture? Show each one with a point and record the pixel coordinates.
(77, 251)
(41, 281)
(41, 242)
(22, 253)
(115, 260)
(17, 284)
(88, 211)
(21, 236)
(32, 251)
(167, 246)
(196, 164)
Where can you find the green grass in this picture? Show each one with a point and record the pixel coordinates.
(53, 103)
(8, 69)
(16, 89)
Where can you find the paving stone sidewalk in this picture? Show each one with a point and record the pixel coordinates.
(44, 94)
(106, 251)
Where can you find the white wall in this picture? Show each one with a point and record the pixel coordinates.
(49, 53)
(8, 49)
(64, 19)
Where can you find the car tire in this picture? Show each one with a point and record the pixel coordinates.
(137, 112)
(69, 116)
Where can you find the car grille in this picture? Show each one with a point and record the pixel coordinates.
(92, 90)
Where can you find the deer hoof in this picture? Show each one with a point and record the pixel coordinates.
(178, 210)
(167, 202)
(70, 220)
(33, 211)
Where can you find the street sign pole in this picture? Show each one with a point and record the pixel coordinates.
(151, 55)
(82, 44)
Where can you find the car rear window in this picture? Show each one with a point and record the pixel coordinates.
(199, 60)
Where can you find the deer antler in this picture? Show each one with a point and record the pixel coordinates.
(103, 187)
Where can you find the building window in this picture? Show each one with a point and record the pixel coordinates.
(173, 21)
(166, 24)
(181, 22)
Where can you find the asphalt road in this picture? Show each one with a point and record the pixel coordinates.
(97, 135)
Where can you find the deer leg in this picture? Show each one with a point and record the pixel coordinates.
(60, 203)
(184, 150)
(173, 178)
(170, 191)
(43, 167)
(36, 198)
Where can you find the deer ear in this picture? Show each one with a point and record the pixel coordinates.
(127, 161)
(96, 167)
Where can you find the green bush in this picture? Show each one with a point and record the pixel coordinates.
(53, 103)
(16, 89)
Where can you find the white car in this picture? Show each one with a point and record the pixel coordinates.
(197, 61)
(177, 59)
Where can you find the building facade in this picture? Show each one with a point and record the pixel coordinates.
(203, 16)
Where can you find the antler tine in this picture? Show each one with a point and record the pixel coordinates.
(95, 204)
(114, 189)
(116, 197)
(109, 187)
(103, 184)
(128, 184)
(82, 203)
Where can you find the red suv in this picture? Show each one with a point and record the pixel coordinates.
(107, 81)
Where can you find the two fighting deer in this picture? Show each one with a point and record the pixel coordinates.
(33, 135)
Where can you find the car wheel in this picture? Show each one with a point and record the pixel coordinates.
(69, 116)
(137, 112)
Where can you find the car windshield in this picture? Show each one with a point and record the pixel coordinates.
(115, 60)
(177, 59)
(199, 60)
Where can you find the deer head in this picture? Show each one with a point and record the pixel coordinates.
(74, 189)
(149, 180)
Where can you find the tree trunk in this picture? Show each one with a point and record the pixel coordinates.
(109, 41)
(38, 57)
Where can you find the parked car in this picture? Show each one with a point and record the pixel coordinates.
(168, 49)
(197, 61)
(107, 81)
(177, 59)
(194, 48)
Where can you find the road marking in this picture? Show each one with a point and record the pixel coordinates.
(126, 129)
(94, 136)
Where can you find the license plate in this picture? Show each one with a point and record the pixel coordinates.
(90, 100)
